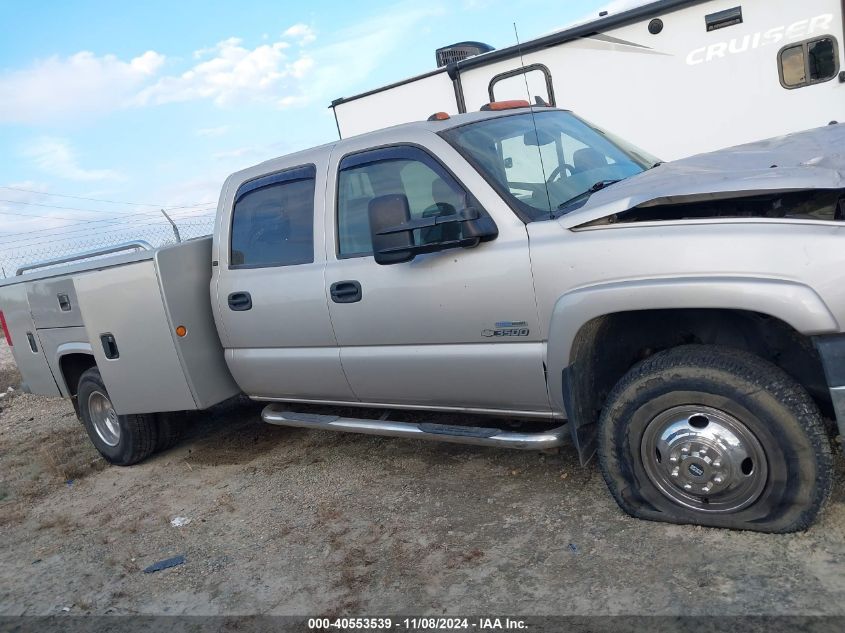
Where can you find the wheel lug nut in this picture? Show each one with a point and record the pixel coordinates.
(718, 479)
(687, 486)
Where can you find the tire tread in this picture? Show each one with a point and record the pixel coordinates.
(748, 368)
(140, 428)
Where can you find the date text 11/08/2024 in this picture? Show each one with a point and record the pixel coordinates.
(417, 624)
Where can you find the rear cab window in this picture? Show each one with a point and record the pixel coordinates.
(273, 220)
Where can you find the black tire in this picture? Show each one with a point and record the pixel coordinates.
(784, 492)
(137, 434)
(170, 427)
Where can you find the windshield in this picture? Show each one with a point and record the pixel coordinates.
(551, 170)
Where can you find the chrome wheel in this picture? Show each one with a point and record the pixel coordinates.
(703, 458)
(104, 418)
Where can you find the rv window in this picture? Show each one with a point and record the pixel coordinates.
(807, 63)
(821, 59)
(274, 225)
(430, 189)
(792, 66)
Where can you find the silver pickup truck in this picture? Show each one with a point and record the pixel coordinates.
(684, 321)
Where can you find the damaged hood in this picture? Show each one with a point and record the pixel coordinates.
(809, 160)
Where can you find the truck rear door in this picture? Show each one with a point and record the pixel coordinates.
(270, 285)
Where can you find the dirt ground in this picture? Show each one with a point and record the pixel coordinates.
(286, 521)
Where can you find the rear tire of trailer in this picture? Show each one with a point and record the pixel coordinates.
(122, 440)
(718, 437)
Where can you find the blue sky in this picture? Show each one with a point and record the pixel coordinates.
(156, 102)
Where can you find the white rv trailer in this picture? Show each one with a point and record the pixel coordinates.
(676, 77)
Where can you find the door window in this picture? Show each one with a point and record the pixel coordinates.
(429, 188)
(273, 221)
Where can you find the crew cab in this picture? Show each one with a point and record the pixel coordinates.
(684, 320)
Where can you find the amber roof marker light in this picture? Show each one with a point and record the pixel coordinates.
(439, 116)
(505, 105)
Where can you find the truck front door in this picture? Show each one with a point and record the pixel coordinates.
(457, 328)
(272, 311)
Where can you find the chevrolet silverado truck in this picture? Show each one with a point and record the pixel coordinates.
(683, 321)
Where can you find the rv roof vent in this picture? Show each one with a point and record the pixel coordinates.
(459, 51)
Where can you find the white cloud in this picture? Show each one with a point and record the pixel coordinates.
(280, 73)
(148, 63)
(211, 132)
(291, 101)
(300, 68)
(84, 84)
(232, 74)
(56, 157)
(285, 75)
(360, 49)
(302, 33)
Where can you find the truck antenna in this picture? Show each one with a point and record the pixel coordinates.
(531, 110)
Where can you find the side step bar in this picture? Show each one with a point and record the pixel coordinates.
(274, 414)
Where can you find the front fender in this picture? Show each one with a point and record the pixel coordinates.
(794, 303)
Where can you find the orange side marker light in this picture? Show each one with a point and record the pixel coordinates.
(505, 105)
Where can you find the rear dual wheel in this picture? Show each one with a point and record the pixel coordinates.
(121, 439)
(717, 437)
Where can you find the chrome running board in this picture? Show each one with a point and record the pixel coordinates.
(274, 414)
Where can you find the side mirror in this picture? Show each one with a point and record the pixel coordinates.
(392, 229)
(389, 212)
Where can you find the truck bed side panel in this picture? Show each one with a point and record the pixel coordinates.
(184, 274)
(126, 302)
(32, 365)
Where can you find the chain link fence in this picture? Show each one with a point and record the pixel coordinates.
(14, 255)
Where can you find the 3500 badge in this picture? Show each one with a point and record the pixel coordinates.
(507, 328)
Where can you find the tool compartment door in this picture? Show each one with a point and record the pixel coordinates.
(53, 303)
(125, 319)
(26, 346)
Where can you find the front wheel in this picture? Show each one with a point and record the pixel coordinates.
(717, 437)
(121, 439)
